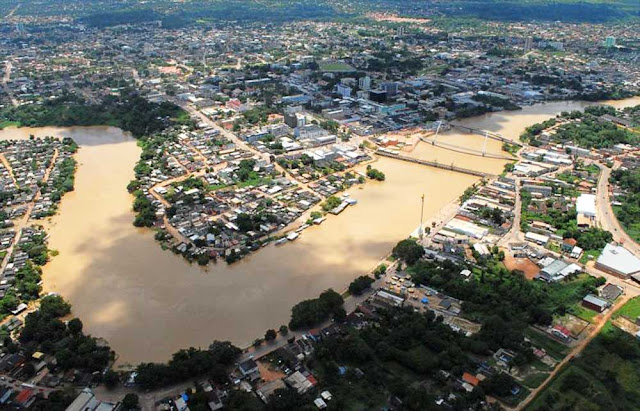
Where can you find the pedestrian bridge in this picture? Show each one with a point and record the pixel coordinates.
(466, 150)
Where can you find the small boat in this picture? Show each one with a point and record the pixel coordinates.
(281, 241)
(293, 236)
(319, 220)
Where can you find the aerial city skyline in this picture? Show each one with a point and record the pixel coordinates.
(369, 205)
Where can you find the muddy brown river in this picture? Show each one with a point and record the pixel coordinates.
(148, 303)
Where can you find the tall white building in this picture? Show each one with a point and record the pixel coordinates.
(343, 90)
(364, 83)
(528, 44)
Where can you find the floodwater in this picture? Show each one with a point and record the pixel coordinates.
(509, 124)
(148, 303)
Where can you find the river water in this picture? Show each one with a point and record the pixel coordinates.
(148, 303)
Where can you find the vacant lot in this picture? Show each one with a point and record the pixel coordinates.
(528, 267)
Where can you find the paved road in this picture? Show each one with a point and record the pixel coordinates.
(24, 220)
(606, 216)
(5, 80)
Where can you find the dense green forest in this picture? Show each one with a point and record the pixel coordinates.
(45, 331)
(188, 364)
(400, 354)
(103, 14)
(127, 111)
(585, 128)
(565, 11)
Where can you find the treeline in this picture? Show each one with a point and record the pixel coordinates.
(115, 18)
(505, 302)
(532, 11)
(198, 11)
(151, 153)
(191, 363)
(503, 103)
(28, 278)
(590, 132)
(310, 313)
(127, 111)
(45, 331)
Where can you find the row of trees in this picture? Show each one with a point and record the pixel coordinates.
(127, 111)
(185, 364)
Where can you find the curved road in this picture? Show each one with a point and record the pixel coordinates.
(606, 216)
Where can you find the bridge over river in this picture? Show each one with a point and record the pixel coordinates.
(466, 150)
(387, 153)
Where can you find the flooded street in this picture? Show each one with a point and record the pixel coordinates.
(148, 303)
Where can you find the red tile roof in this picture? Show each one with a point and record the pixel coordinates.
(470, 379)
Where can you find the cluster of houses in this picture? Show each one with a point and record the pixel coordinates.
(480, 220)
(33, 181)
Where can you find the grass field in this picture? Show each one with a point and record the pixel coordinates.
(4, 124)
(555, 349)
(583, 313)
(630, 310)
(336, 67)
(632, 229)
(534, 380)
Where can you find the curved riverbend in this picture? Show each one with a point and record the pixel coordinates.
(148, 303)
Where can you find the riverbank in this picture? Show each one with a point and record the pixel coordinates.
(149, 303)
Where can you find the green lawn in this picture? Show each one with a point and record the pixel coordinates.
(632, 229)
(555, 397)
(585, 256)
(214, 187)
(583, 313)
(336, 67)
(6, 123)
(534, 380)
(630, 310)
(555, 349)
(252, 182)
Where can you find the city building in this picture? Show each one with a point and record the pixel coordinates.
(618, 261)
(364, 83)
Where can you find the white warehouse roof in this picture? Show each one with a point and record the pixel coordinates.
(619, 259)
(586, 204)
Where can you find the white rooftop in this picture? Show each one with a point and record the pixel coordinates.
(586, 204)
(619, 259)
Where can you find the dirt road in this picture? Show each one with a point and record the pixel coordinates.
(576, 351)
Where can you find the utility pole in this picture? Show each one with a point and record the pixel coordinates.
(484, 146)
(420, 230)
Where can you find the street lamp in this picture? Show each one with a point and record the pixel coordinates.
(420, 230)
